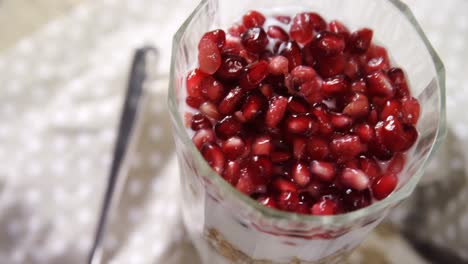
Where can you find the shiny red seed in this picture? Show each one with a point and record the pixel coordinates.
(255, 39)
(194, 102)
(370, 167)
(254, 106)
(328, 43)
(232, 46)
(410, 110)
(231, 102)
(276, 111)
(331, 65)
(292, 52)
(300, 124)
(299, 147)
(297, 105)
(311, 91)
(351, 68)
(237, 30)
(253, 19)
(209, 109)
(283, 185)
(304, 25)
(265, 165)
(346, 147)
(354, 200)
(251, 180)
(266, 90)
(231, 172)
(358, 107)
(397, 76)
(377, 60)
(267, 201)
(302, 74)
(301, 174)
(231, 67)
(379, 84)
(341, 121)
(323, 118)
(254, 75)
(396, 164)
(360, 41)
(355, 179)
(325, 207)
(284, 19)
(277, 32)
(279, 157)
(233, 148)
(200, 121)
(394, 136)
(262, 145)
(194, 79)
(339, 28)
(289, 201)
(391, 108)
(218, 36)
(324, 171)
(365, 132)
(209, 56)
(384, 186)
(336, 85)
(317, 148)
(278, 65)
(211, 89)
(228, 127)
(359, 87)
(214, 156)
(203, 136)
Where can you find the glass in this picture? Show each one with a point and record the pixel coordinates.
(228, 227)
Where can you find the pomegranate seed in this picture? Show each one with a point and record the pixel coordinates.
(358, 107)
(311, 91)
(351, 68)
(360, 40)
(240, 117)
(300, 124)
(410, 110)
(265, 165)
(203, 136)
(262, 145)
(253, 19)
(323, 118)
(276, 111)
(278, 65)
(267, 201)
(324, 171)
(381, 152)
(214, 156)
(373, 117)
(339, 28)
(231, 67)
(209, 56)
(194, 79)
(331, 65)
(394, 136)
(391, 108)
(279, 157)
(396, 164)
(355, 179)
(254, 106)
(365, 132)
(232, 46)
(217, 36)
(254, 75)
(336, 85)
(377, 60)
(347, 147)
(231, 102)
(325, 207)
(379, 84)
(341, 122)
(194, 102)
(370, 167)
(211, 89)
(397, 76)
(354, 200)
(328, 43)
(248, 56)
(299, 147)
(283, 19)
(303, 26)
(200, 121)
(231, 172)
(209, 109)
(250, 181)
(302, 74)
(288, 201)
(266, 90)
(255, 39)
(277, 32)
(237, 30)
(283, 185)
(384, 186)
(233, 148)
(301, 174)
(292, 52)
(297, 105)
(317, 148)
(228, 127)
(359, 87)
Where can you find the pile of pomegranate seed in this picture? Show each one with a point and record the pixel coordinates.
(300, 114)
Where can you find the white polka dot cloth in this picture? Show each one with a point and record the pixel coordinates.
(60, 98)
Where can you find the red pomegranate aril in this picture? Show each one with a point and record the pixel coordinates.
(231, 67)
(339, 28)
(277, 32)
(324, 171)
(292, 52)
(358, 107)
(365, 132)
(325, 207)
(280, 157)
(300, 124)
(331, 66)
(360, 40)
(396, 164)
(265, 165)
(410, 110)
(302, 74)
(253, 19)
(231, 102)
(237, 30)
(278, 65)
(370, 167)
(311, 91)
(255, 39)
(231, 172)
(276, 111)
(394, 136)
(391, 108)
(297, 105)
(218, 36)
(359, 87)
(214, 156)
(284, 19)
(384, 186)
(209, 56)
(267, 201)
(336, 85)
(323, 118)
(194, 102)
(282, 185)
(317, 148)
(203, 136)
(355, 179)
(397, 76)
(354, 200)
(228, 127)
(211, 89)
(351, 68)
(254, 75)
(379, 84)
(209, 109)
(299, 147)
(262, 145)
(304, 25)
(266, 90)
(233, 148)
(254, 105)
(328, 43)
(301, 174)
(200, 121)
(194, 79)
(341, 121)
(288, 201)
(346, 147)
(377, 60)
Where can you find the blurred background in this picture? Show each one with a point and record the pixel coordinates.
(63, 73)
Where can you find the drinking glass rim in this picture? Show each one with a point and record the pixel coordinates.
(398, 195)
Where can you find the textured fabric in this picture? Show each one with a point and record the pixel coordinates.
(61, 92)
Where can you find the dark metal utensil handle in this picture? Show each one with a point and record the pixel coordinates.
(131, 107)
